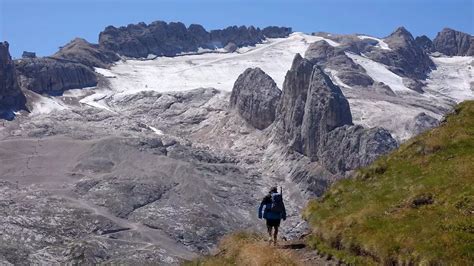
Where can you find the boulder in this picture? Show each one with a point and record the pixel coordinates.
(11, 97)
(53, 76)
(451, 42)
(255, 97)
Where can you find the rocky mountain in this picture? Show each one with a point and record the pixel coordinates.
(255, 96)
(53, 76)
(425, 43)
(169, 39)
(451, 42)
(315, 119)
(164, 155)
(81, 51)
(11, 97)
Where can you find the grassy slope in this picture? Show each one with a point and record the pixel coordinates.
(245, 249)
(414, 205)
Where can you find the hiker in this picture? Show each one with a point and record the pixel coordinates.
(273, 211)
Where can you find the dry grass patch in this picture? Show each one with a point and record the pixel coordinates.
(248, 249)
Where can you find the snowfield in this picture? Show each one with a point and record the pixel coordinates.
(380, 73)
(381, 44)
(216, 70)
(451, 82)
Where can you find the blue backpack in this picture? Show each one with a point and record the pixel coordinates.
(277, 203)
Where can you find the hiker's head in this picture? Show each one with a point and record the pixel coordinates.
(273, 190)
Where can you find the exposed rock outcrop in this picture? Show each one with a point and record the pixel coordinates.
(81, 51)
(325, 55)
(451, 42)
(314, 118)
(405, 57)
(255, 96)
(425, 43)
(168, 39)
(27, 54)
(53, 76)
(11, 97)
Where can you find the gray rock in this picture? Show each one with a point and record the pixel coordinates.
(350, 147)
(421, 123)
(425, 43)
(169, 39)
(326, 108)
(11, 97)
(231, 47)
(451, 42)
(27, 54)
(353, 78)
(327, 56)
(53, 76)
(314, 118)
(405, 58)
(255, 97)
(81, 51)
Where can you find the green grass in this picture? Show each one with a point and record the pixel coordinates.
(415, 205)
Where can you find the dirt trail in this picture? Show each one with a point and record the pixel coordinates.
(306, 255)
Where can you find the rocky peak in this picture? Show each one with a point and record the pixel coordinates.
(451, 42)
(321, 51)
(405, 58)
(314, 119)
(311, 105)
(11, 97)
(255, 97)
(81, 51)
(425, 43)
(401, 32)
(326, 108)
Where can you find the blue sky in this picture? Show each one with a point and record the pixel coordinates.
(44, 25)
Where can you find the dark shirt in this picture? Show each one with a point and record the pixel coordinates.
(266, 206)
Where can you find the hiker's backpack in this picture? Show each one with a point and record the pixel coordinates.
(277, 203)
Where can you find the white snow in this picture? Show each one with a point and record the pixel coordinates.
(380, 73)
(452, 81)
(97, 100)
(335, 79)
(105, 72)
(217, 70)
(381, 44)
(154, 129)
(453, 77)
(46, 105)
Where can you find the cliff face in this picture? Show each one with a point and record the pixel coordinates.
(452, 42)
(405, 57)
(255, 96)
(314, 118)
(11, 97)
(168, 39)
(53, 76)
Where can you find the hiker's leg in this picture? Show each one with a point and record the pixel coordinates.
(275, 235)
(269, 229)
